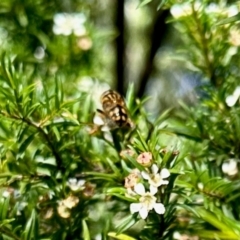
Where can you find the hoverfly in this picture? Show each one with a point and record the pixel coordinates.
(114, 113)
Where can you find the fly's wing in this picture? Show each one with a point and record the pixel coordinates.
(114, 112)
(102, 120)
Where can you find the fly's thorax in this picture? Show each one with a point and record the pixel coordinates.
(114, 111)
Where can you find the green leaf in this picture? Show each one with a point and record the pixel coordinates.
(207, 234)
(103, 176)
(184, 184)
(190, 209)
(61, 92)
(22, 133)
(86, 233)
(234, 18)
(26, 143)
(163, 117)
(85, 107)
(47, 101)
(216, 221)
(114, 168)
(126, 223)
(141, 144)
(8, 73)
(186, 132)
(67, 145)
(120, 196)
(7, 221)
(119, 190)
(57, 102)
(135, 163)
(4, 207)
(69, 102)
(33, 108)
(5, 175)
(130, 98)
(7, 94)
(56, 133)
(31, 229)
(120, 236)
(143, 3)
(161, 4)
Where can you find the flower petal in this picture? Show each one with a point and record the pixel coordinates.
(145, 175)
(237, 92)
(164, 173)
(139, 188)
(164, 182)
(153, 190)
(155, 180)
(231, 100)
(230, 167)
(159, 208)
(98, 120)
(135, 207)
(154, 168)
(143, 213)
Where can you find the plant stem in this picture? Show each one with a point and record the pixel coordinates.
(42, 133)
(9, 233)
(204, 46)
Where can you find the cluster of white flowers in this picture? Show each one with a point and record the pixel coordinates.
(68, 23)
(185, 9)
(146, 200)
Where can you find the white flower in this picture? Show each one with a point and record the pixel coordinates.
(230, 168)
(184, 9)
(179, 236)
(93, 88)
(6, 194)
(178, 10)
(75, 184)
(147, 202)
(200, 185)
(156, 179)
(213, 8)
(232, 99)
(67, 23)
(232, 10)
(70, 201)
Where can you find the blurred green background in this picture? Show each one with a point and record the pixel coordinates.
(113, 42)
(177, 65)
